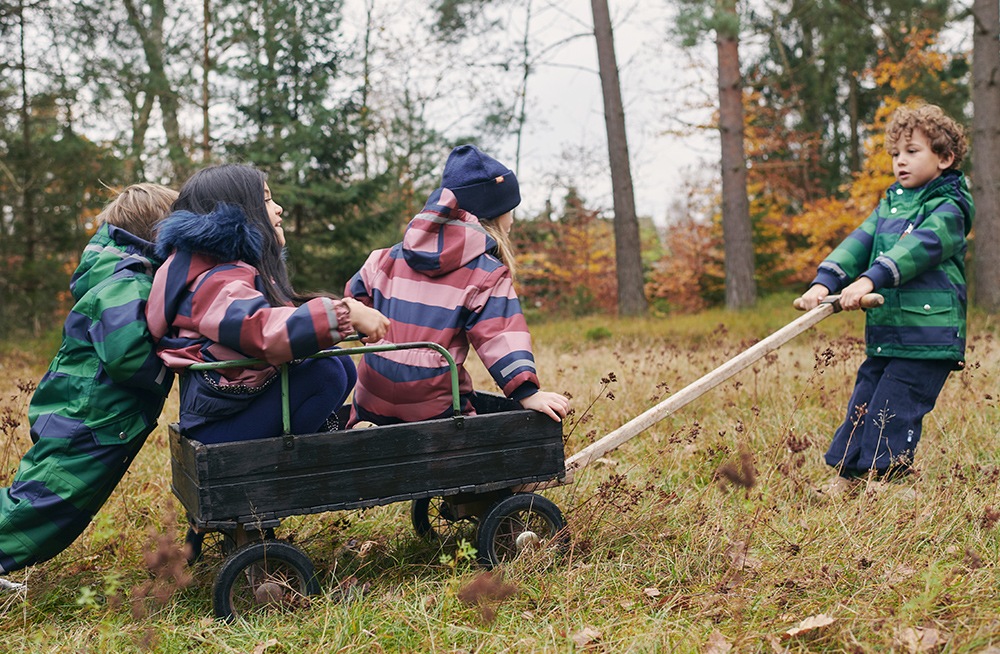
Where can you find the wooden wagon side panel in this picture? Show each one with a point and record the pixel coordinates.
(364, 467)
(185, 473)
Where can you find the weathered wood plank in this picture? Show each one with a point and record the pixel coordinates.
(267, 457)
(366, 467)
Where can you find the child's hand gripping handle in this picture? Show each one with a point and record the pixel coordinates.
(868, 301)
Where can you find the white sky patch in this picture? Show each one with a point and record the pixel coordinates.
(665, 89)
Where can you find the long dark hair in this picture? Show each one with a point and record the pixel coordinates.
(242, 186)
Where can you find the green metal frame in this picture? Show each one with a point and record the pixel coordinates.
(286, 418)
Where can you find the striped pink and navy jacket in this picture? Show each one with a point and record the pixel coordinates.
(206, 304)
(443, 284)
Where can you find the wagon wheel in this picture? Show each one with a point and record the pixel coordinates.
(515, 523)
(199, 543)
(434, 520)
(263, 577)
(221, 542)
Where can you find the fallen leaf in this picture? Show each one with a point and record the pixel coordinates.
(737, 555)
(586, 636)
(776, 645)
(921, 639)
(812, 623)
(260, 647)
(898, 574)
(486, 586)
(717, 644)
(485, 592)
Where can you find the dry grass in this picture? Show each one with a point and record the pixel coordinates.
(700, 535)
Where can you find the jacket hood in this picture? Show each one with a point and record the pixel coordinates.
(111, 250)
(951, 183)
(224, 234)
(443, 237)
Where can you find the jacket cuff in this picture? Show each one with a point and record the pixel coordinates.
(340, 322)
(827, 279)
(880, 275)
(525, 390)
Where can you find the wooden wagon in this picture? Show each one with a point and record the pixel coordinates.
(462, 469)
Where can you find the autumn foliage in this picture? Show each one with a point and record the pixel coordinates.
(825, 222)
(795, 223)
(567, 265)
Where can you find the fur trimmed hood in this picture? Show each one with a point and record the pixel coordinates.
(224, 234)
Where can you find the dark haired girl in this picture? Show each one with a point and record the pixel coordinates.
(223, 294)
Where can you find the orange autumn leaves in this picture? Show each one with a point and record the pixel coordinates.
(567, 265)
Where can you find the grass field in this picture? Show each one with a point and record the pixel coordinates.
(701, 534)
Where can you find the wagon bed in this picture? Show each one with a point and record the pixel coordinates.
(259, 482)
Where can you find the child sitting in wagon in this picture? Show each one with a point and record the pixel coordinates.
(449, 281)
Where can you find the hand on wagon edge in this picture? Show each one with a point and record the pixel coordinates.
(553, 405)
(367, 321)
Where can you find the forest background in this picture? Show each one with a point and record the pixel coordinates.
(353, 125)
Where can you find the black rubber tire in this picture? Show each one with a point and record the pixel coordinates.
(194, 541)
(264, 576)
(432, 520)
(496, 541)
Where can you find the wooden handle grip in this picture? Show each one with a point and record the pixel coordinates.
(869, 301)
(872, 300)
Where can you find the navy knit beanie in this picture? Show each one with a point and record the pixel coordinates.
(484, 187)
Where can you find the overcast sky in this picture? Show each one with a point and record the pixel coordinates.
(663, 87)
(660, 87)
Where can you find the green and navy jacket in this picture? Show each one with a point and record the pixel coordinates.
(94, 407)
(106, 377)
(912, 248)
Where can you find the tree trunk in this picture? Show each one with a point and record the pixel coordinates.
(206, 64)
(366, 85)
(628, 254)
(741, 288)
(854, 153)
(151, 37)
(26, 182)
(986, 152)
(521, 102)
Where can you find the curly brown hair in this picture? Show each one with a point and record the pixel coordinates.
(944, 133)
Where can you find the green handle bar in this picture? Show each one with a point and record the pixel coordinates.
(286, 417)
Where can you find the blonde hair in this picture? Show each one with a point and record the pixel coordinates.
(505, 250)
(944, 133)
(138, 208)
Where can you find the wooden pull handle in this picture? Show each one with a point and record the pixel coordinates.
(869, 301)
